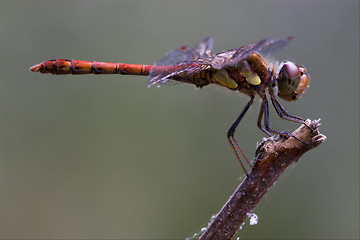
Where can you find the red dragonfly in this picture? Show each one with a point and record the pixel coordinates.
(244, 69)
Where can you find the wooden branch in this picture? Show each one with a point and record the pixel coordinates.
(272, 157)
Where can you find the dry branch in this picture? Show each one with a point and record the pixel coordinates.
(272, 157)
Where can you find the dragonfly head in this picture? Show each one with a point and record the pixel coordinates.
(292, 81)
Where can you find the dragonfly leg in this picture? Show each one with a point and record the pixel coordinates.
(284, 114)
(260, 117)
(231, 138)
(264, 111)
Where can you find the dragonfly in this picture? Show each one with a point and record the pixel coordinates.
(248, 69)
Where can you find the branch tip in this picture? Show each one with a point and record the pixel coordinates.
(273, 155)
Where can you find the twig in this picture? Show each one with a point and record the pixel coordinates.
(272, 157)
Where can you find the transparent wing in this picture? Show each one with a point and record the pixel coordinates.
(232, 57)
(179, 73)
(185, 53)
(178, 61)
(273, 45)
(205, 47)
(167, 74)
(177, 56)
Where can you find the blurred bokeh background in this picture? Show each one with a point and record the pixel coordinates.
(105, 157)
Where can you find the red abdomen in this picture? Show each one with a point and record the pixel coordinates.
(64, 66)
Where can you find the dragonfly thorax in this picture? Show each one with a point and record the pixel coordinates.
(223, 78)
(246, 74)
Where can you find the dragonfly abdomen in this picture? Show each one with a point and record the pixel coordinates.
(64, 66)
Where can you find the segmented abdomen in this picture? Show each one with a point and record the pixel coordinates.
(64, 66)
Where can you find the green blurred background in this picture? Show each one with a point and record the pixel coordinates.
(105, 157)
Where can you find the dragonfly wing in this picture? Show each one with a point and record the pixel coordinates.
(186, 72)
(275, 44)
(161, 79)
(177, 61)
(185, 53)
(205, 47)
(177, 56)
(232, 57)
(163, 74)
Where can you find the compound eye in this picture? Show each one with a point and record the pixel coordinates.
(288, 80)
(291, 70)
